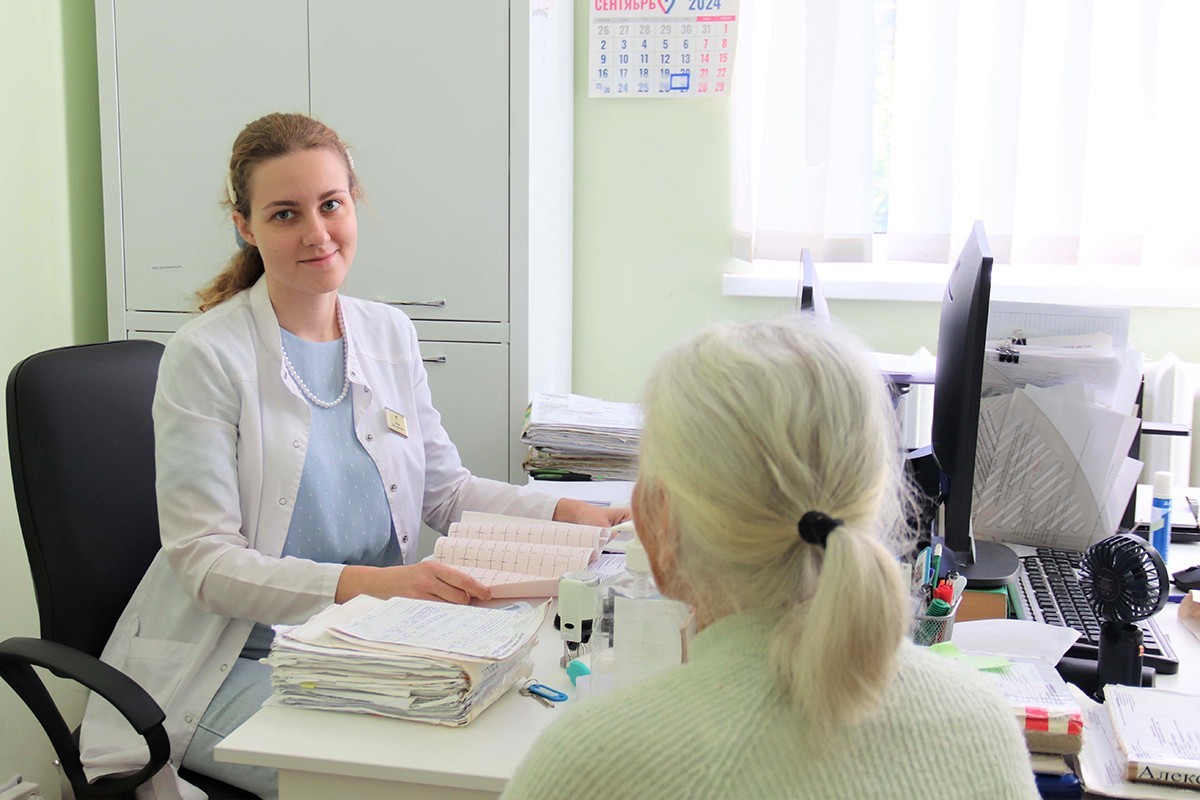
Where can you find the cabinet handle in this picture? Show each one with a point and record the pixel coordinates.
(437, 360)
(427, 303)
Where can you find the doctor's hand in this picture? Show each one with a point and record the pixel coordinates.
(427, 580)
(582, 513)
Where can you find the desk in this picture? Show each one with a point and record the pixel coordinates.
(327, 754)
(323, 754)
(1187, 646)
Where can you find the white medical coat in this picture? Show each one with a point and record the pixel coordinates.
(231, 431)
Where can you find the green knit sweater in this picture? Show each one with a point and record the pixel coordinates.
(717, 727)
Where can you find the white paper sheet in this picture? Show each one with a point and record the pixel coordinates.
(480, 632)
(1102, 765)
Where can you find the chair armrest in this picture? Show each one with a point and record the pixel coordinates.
(18, 656)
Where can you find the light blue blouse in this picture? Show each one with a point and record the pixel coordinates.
(341, 514)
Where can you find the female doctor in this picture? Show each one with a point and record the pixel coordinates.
(297, 452)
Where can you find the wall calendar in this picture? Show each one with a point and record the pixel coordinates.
(661, 48)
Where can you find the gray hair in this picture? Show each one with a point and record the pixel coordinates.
(748, 426)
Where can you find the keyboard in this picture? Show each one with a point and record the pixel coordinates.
(1049, 589)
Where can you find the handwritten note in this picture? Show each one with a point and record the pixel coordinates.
(467, 630)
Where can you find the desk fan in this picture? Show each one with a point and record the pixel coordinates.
(1124, 580)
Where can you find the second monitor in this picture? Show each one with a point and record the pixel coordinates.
(958, 383)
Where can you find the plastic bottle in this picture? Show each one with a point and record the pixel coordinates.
(638, 631)
(1160, 514)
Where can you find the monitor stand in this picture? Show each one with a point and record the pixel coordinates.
(991, 565)
(995, 565)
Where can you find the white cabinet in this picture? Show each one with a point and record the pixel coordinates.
(436, 182)
(459, 119)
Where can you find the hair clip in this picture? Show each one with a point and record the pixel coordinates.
(229, 192)
(349, 159)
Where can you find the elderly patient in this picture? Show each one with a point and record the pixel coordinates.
(770, 499)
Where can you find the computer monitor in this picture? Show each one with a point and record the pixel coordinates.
(810, 300)
(958, 382)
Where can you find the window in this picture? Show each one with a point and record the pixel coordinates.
(878, 130)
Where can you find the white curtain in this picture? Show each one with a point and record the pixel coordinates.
(802, 104)
(1068, 126)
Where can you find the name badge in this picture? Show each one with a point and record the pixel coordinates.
(396, 423)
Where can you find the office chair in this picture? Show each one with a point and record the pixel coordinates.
(81, 446)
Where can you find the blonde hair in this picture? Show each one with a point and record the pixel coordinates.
(748, 427)
(265, 138)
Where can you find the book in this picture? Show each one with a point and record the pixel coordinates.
(519, 557)
(1159, 733)
(1049, 716)
(982, 604)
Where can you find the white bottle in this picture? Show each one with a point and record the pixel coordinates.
(1160, 513)
(640, 632)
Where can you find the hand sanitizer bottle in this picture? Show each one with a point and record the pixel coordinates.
(638, 631)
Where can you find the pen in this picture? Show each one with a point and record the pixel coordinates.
(937, 563)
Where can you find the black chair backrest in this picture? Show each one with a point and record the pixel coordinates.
(81, 444)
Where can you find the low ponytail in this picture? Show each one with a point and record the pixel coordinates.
(751, 428)
(245, 267)
(834, 652)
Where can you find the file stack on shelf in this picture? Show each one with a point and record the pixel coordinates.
(409, 659)
(570, 435)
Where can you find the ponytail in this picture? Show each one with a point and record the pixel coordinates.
(834, 653)
(242, 271)
(750, 429)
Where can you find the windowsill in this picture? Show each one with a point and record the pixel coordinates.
(1100, 285)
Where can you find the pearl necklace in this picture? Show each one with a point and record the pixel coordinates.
(345, 372)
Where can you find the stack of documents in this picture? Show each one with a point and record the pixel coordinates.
(1055, 427)
(582, 436)
(409, 659)
(1048, 714)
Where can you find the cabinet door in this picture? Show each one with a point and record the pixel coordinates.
(190, 76)
(419, 90)
(469, 384)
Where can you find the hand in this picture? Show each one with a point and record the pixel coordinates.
(427, 580)
(582, 513)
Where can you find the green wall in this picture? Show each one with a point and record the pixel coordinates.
(53, 262)
(652, 238)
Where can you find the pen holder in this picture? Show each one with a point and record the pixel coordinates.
(929, 629)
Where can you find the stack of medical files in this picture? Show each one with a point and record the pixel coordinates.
(571, 435)
(408, 659)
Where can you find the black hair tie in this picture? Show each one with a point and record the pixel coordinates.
(815, 527)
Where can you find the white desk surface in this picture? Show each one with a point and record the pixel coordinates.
(317, 751)
(320, 754)
(329, 754)
(1186, 643)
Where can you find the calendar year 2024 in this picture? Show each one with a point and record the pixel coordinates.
(661, 48)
